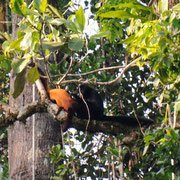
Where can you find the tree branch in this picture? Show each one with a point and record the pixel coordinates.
(131, 64)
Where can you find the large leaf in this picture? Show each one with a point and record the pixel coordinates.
(52, 46)
(177, 7)
(162, 5)
(33, 74)
(75, 44)
(55, 11)
(27, 41)
(40, 5)
(19, 83)
(119, 14)
(19, 64)
(16, 44)
(71, 26)
(177, 106)
(18, 7)
(133, 5)
(80, 19)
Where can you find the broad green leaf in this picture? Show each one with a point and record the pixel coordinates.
(19, 64)
(31, 12)
(18, 7)
(100, 35)
(71, 26)
(33, 74)
(128, 40)
(6, 36)
(12, 46)
(177, 106)
(80, 18)
(57, 21)
(19, 83)
(52, 46)
(15, 44)
(162, 5)
(133, 5)
(26, 28)
(177, 7)
(55, 11)
(40, 5)
(75, 44)
(119, 14)
(27, 41)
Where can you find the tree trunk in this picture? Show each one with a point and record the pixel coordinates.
(28, 147)
(2, 16)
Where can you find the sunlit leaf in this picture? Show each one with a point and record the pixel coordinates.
(55, 11)
(177, 106)
(18, 7)
(119, 14)
(162, 5)
(40, 5)
(52, 46)
(80, 18)
(19, 64)
(16, 44)
(145, 150)
(177, 7)
(27, 41)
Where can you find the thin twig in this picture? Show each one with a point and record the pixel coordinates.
(89, 116)
(87, 51)
(109, 82)
(94, 71)
(138, 121)
(70, 66)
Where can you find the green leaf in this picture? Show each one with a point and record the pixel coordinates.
(14, 45)
(145, 150)
(177, 7)
(33, 74)
(177, 106)
(75, 44)
(19, 83)
(19, 64)
(40, 5)
(162, 5)
(55, 11)
(119, 14)
(18, 7)
(52, 46)
(57, 21)
(32, 12)
(133, 5)
(27, 41)
(71, 25)
(80, 19)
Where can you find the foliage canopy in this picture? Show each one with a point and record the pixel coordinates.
(145, 37)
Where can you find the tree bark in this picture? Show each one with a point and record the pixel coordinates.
(27, 159)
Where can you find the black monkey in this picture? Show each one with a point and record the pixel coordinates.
(96, 108)
(93, 100)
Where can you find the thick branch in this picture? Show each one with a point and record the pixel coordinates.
(22, 114)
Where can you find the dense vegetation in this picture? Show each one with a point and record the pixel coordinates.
(126, 49)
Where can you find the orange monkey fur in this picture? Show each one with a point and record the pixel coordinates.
(62, 99)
